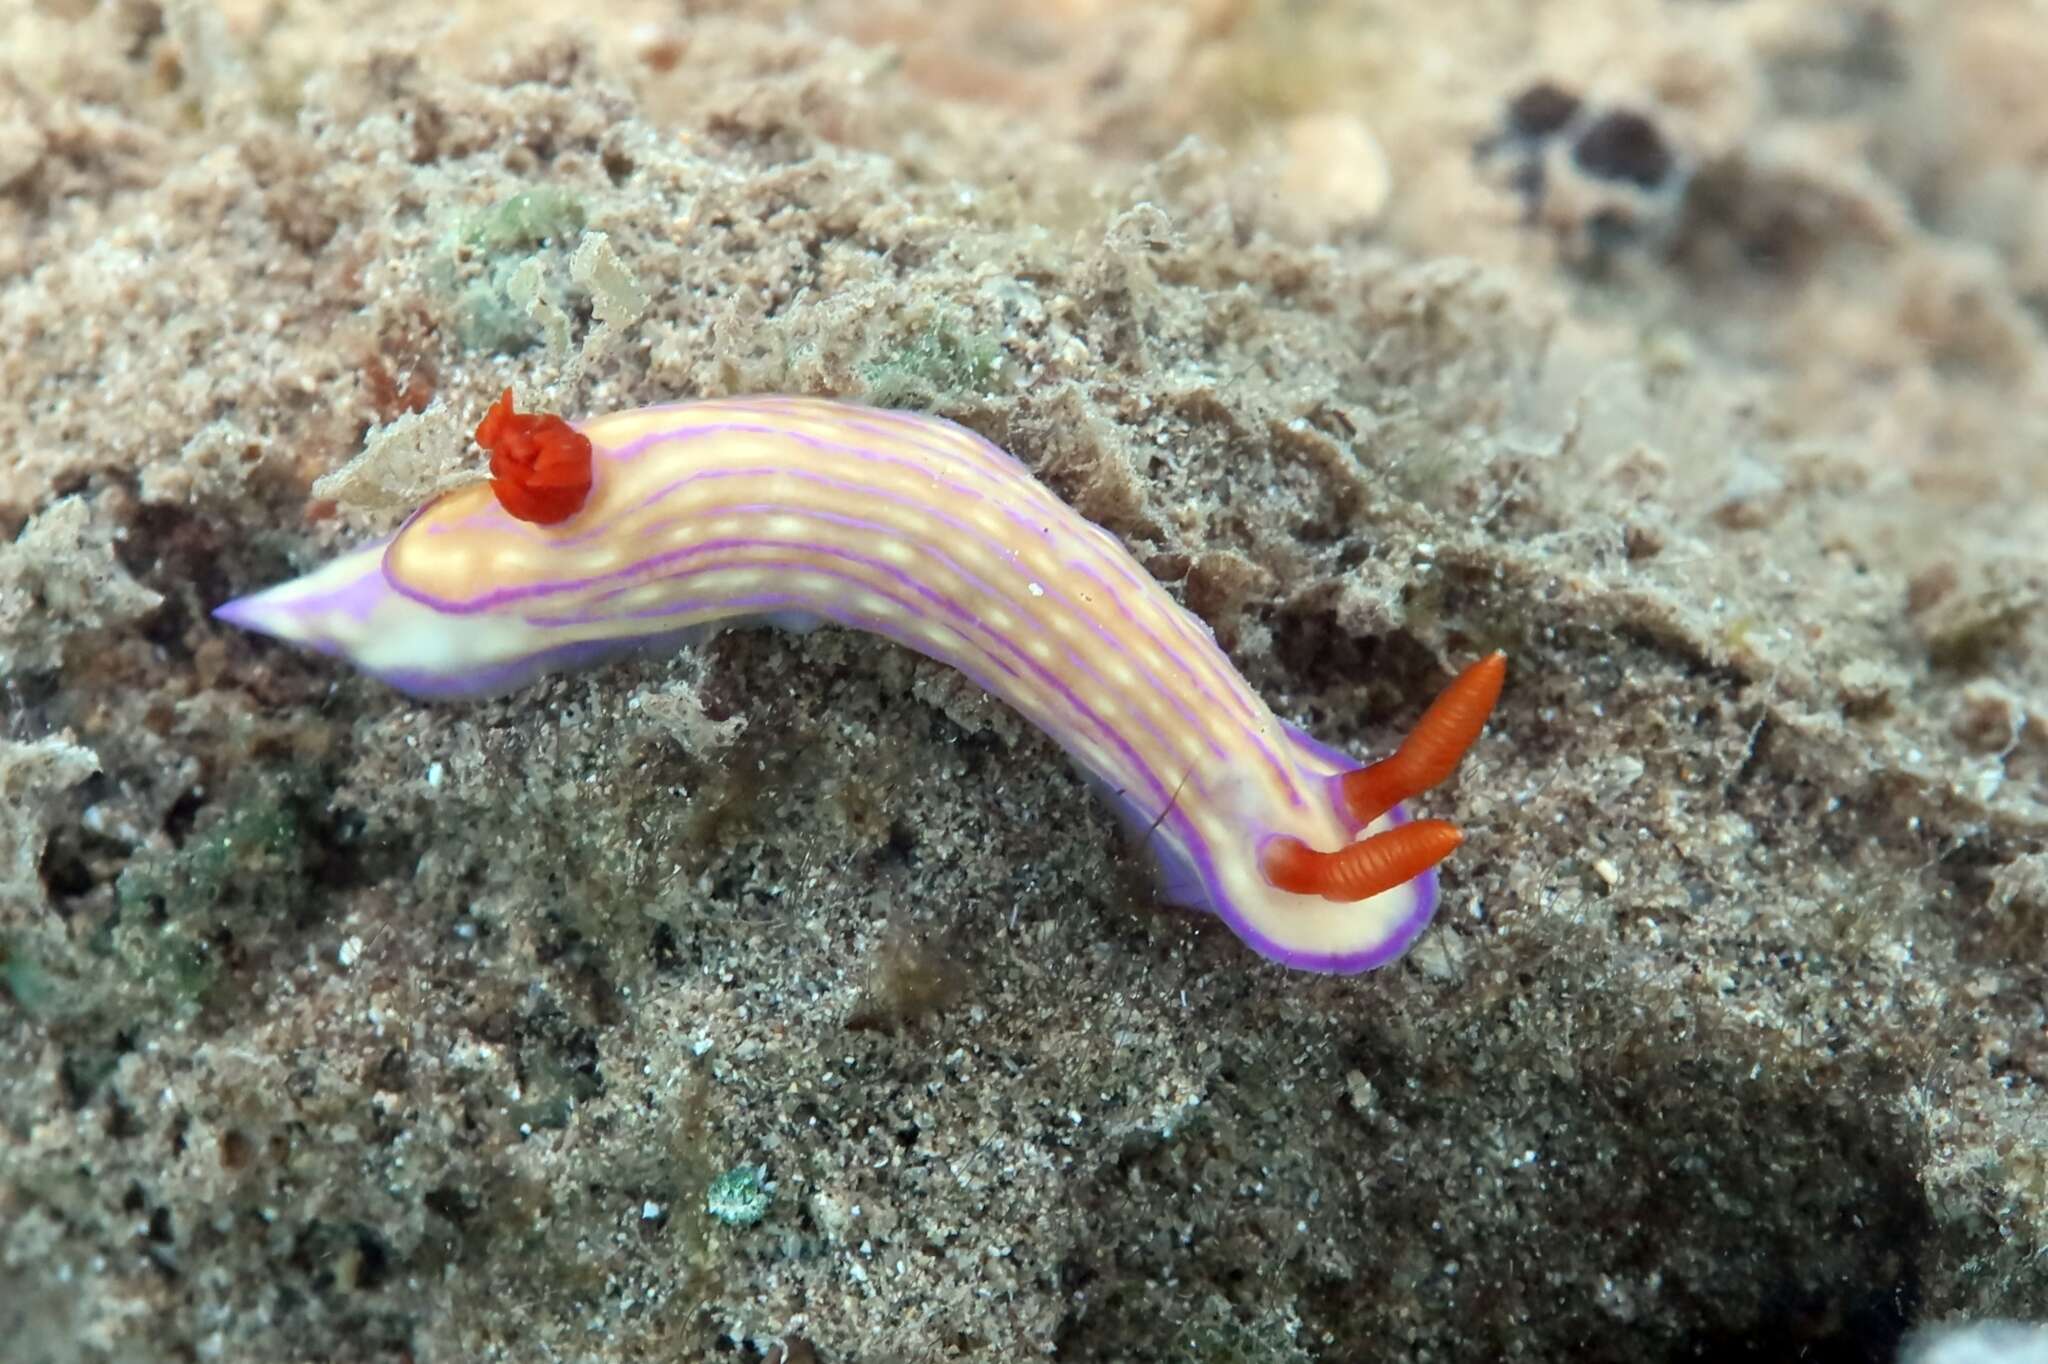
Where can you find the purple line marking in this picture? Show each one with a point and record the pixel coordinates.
(996, 487)
(1192, 641)
(637, 575)
(918, 429)
(356, 599)
(1289, 779)
(999, 487)
(638, 572)
(1336, 757)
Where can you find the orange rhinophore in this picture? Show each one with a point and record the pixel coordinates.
(1425, 758)
(540, 465)
(1367, 868)
(1431, 752)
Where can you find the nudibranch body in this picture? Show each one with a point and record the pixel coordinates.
(802, 511)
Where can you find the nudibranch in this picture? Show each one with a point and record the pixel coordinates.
(646, 526)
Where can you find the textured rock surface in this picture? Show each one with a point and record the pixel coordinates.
(1710, 387)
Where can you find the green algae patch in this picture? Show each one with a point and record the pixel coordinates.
(523, 221)
(943, 363)
(256, 845)
(503, 260)
(739, 1197)
(1213, 1334)
(24, 980)
(176, 912)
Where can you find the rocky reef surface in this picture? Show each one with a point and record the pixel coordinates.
(787, 998)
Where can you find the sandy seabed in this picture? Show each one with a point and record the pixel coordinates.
(1691, 353)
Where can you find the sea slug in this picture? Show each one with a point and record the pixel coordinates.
(646, 526)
